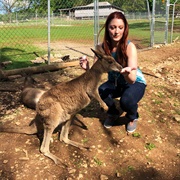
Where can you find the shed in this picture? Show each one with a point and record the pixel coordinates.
(87, 12)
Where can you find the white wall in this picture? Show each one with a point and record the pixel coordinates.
(80, 13)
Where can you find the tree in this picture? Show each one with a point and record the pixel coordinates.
(134, 6)
(118, 3)
(9, 6)
(129, 5)
(160, 2)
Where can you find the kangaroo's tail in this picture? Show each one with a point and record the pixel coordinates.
(29, 129)
(20, 130)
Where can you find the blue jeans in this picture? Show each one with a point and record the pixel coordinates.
(130, 95)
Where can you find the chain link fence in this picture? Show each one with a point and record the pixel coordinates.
(164, 14)
(32, 31)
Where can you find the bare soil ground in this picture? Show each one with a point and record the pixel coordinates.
(153, 152)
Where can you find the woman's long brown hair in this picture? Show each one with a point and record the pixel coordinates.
(122, 46)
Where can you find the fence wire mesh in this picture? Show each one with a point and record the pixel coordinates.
(24, 27)
(163, 27)
(160, 22)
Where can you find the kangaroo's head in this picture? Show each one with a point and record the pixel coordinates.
(108, 62)
(29, 82)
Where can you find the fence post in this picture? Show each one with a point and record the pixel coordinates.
(167, 22)
(149, 13)
(172, 25)
(96, 22)
(152, 23)
(49, 32)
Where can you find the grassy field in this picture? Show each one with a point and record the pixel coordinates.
(19, 41)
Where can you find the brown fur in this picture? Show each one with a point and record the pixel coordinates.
(60, 104)
(30, 94)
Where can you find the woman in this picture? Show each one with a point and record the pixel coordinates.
(129, 83)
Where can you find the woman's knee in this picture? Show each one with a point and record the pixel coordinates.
(105, 90)
(127, 102)
(102, 92)
(123, 103)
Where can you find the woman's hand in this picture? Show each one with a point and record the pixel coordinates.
(127, 70)
(84, 63)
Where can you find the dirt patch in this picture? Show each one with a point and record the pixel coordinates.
(153, 152)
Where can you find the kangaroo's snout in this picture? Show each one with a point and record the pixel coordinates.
(119, 67)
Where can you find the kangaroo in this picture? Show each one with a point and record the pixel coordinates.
(59, 105)
(30, 94)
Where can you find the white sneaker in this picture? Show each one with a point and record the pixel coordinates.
(131, 126)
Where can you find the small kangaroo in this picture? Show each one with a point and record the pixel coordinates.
(59, 105)
(30, 94)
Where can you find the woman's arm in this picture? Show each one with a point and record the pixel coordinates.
(130, 71)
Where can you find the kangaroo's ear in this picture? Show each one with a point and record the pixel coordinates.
(98, 54)
(100, 49)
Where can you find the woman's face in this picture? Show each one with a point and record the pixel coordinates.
(116, 29)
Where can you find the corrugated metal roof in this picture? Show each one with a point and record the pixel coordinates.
(100, 4)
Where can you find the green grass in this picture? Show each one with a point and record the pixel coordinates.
(85, 140)
(97, 161)
(150, 146)
(18, 41)
(20, 56)
(136, 134)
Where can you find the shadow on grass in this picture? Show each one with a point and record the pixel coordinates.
(6, 51)
(17, 56)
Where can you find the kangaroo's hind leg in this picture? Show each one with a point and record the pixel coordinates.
(64, 135)
(48, 130)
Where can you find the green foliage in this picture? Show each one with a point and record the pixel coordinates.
(150, 146)
(136, 134)
(85, 140)
(134, 6)
(156, 101)
(160, 2)
(130, 168)
(40, 6)
(97, 161)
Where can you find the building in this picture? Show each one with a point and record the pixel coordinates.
(87, 12)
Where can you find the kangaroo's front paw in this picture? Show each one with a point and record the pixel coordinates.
(105, 107)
